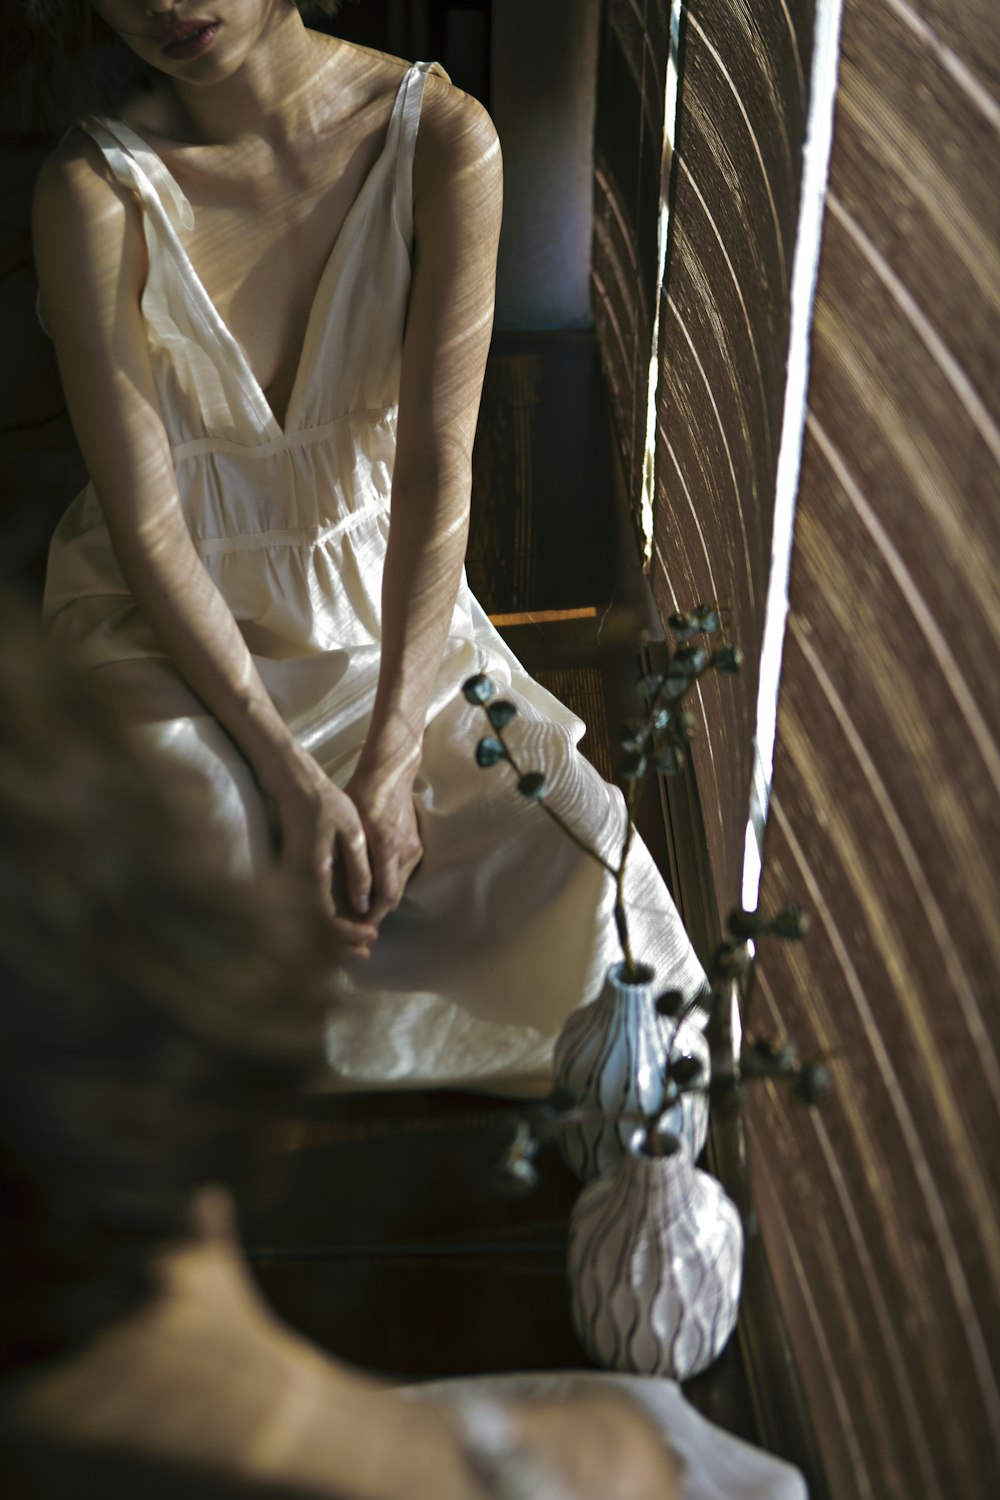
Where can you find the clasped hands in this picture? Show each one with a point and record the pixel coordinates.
(357, 846)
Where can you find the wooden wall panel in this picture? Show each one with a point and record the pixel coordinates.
(628, 148)
(881, 1214)
(723, 345)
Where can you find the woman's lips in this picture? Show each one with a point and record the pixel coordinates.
(191, 40)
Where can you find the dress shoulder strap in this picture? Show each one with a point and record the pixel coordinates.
(411, 97)
(137, 167)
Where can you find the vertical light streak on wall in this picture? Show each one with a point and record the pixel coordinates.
(670, 105)
(805, 269)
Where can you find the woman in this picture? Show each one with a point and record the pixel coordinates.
(269, 276)
(152, 1010)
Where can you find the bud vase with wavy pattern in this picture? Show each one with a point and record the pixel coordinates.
(612, 1055)
(655, 1265)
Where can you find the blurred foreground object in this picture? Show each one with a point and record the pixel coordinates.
(150, 1005)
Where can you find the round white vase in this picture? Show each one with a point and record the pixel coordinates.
(655, 1266)
(612, 1055)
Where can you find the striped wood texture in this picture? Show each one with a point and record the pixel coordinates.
(880, 1213)
(628, 149)
(723, 341)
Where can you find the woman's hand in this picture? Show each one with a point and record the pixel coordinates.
(323, 843)
(384, 802)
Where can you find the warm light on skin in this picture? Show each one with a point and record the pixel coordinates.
(271, 135)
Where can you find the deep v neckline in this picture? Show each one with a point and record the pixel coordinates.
(158, 174)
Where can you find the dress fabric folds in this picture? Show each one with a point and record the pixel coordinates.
(505, 927)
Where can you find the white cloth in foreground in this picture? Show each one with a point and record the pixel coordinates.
(506, 927)
(714, 1464)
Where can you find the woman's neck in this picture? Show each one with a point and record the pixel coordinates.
(277, 93)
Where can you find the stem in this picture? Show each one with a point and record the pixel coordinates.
(748, 990)
(617, 873)
(559, 822)
(631, 797)
(576, 839)
(745, 989)
(621, 919)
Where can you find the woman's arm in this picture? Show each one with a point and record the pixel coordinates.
(90, 256)
(457, 207)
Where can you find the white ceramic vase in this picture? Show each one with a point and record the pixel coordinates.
(612, 1055)
(655, 1265)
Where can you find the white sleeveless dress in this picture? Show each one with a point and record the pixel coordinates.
(506, 927)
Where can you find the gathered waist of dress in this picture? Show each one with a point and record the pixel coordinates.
(304, 537)
(303, 437)
(290, 493)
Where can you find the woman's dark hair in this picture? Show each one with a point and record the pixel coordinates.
(61, 62)
(152, 1006)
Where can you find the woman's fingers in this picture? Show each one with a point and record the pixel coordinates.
(355, 935)
(387, 816)
(324, 840)
(408, 865)
(352, 847)
(388, 887)
(355, 940)
(393, 862)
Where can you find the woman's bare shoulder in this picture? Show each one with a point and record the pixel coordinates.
(449, 112)
(75, 193)
(364, 67)
(456, 136)
(86, 227)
